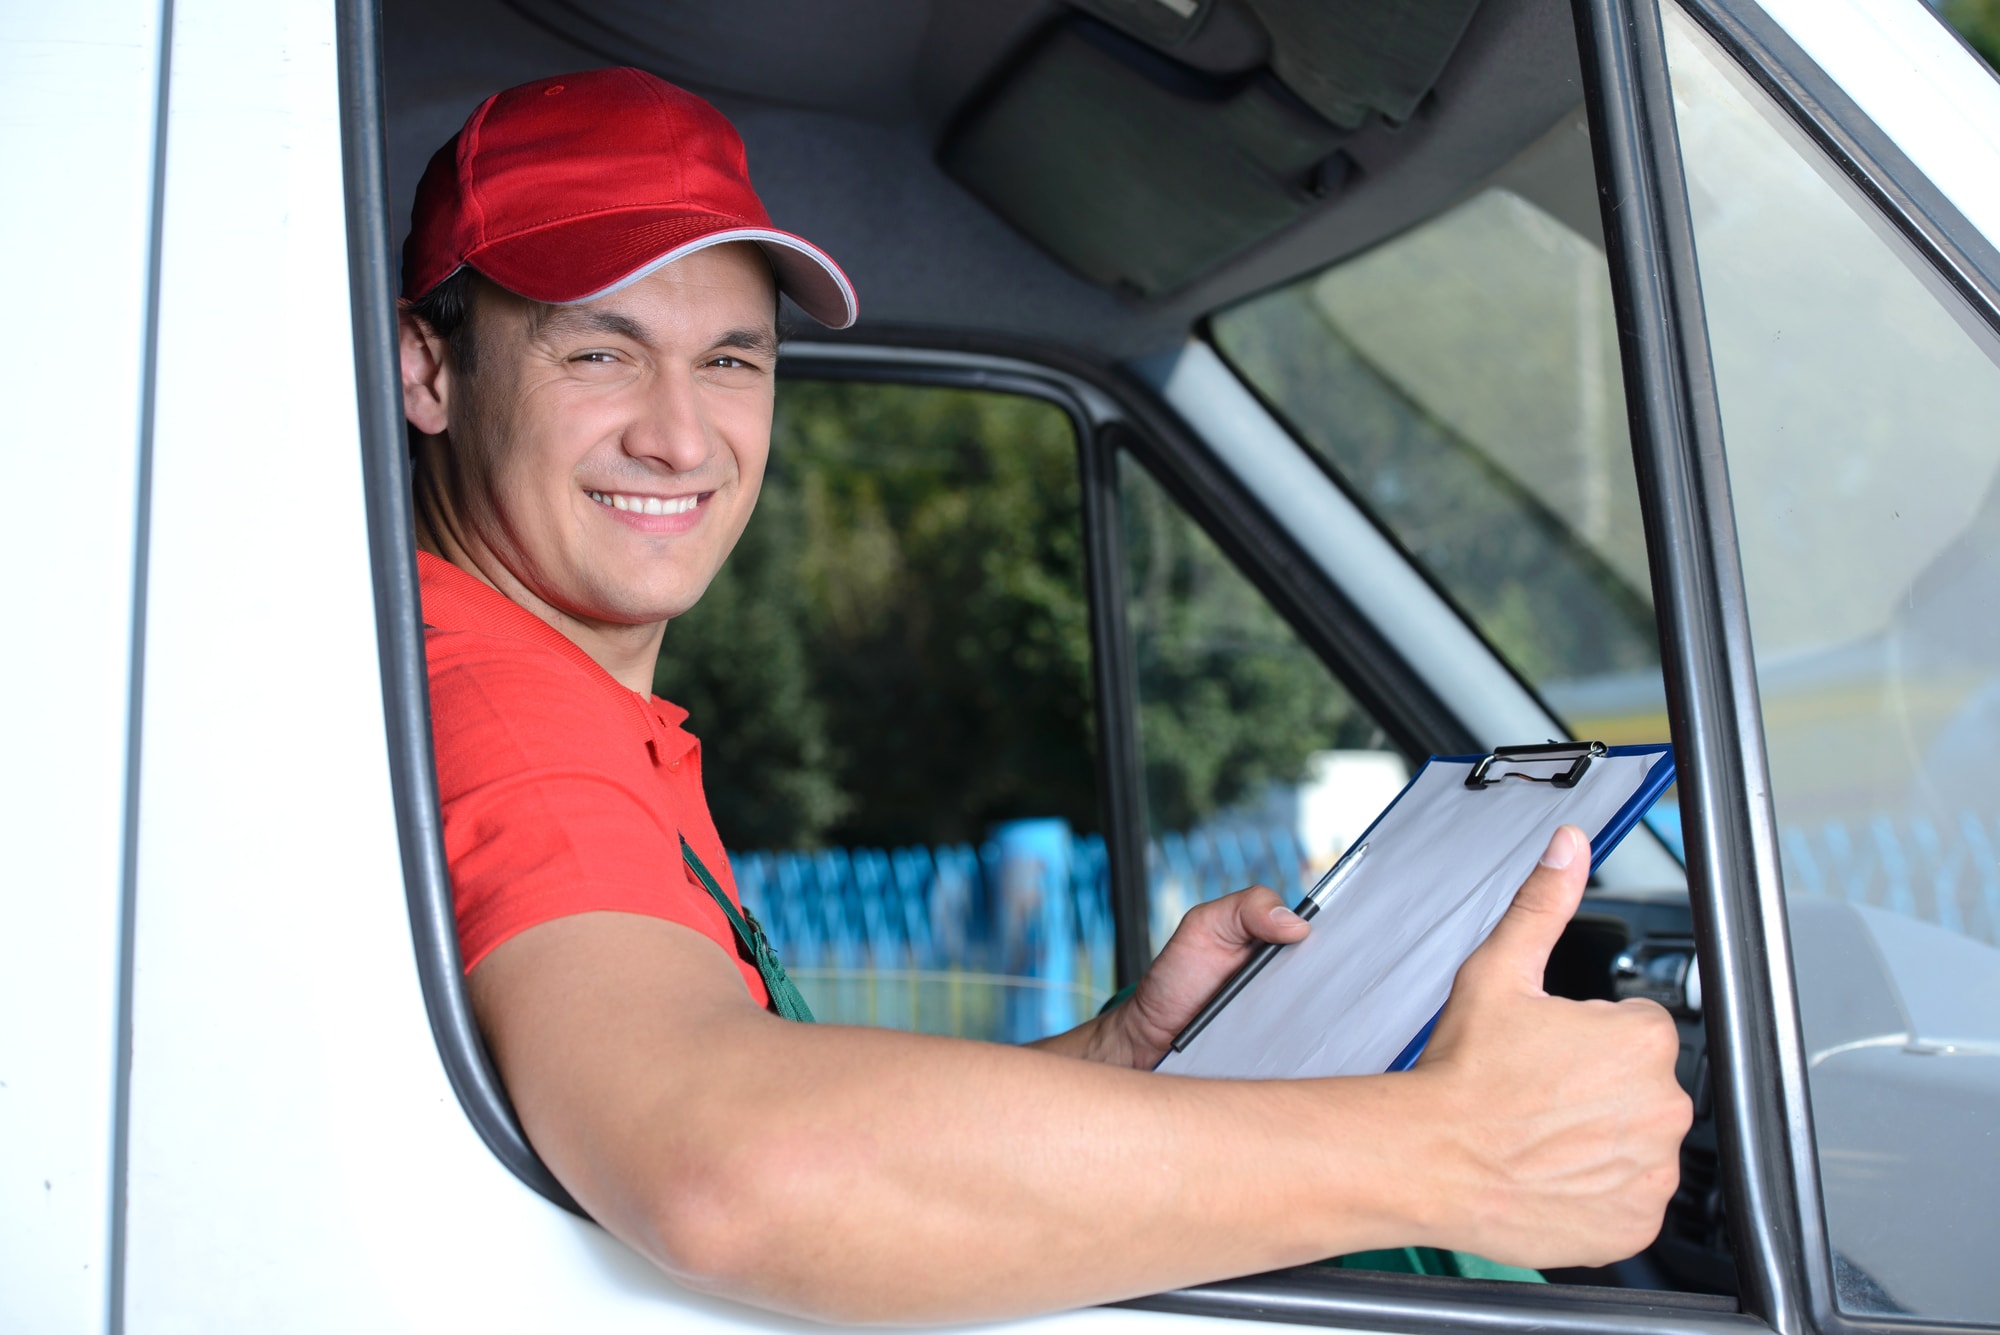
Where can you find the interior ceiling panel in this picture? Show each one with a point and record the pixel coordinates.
(842, 107)
(886, 60)
(857, 57)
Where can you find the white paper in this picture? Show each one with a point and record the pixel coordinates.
(1442, 866)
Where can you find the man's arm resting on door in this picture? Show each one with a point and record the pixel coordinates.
(868, 1175)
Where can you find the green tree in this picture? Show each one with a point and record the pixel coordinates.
(1230, 701)
(1978, 21)
(944, 567)
(739, 663)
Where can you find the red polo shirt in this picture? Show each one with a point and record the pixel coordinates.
(563, 792)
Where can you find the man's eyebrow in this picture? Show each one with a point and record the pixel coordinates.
(760, 339)
(550, 320)
(547, 321)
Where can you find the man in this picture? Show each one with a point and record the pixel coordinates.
(588, 363)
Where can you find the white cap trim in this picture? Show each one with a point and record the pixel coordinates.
(794, 279)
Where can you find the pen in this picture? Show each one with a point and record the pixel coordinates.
(1336, 876)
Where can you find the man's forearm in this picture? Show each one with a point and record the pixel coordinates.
(993, 1181)
(869, 1175)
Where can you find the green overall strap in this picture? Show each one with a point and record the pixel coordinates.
(785, 998)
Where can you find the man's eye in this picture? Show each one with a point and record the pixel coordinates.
(728, 363)
(595, 358)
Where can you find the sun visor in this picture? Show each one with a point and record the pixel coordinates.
(1138, 171)
(1118, 145)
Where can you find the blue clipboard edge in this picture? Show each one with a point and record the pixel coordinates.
(1607, 839)
(1658, 779)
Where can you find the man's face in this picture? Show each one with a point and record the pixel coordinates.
(608, 455)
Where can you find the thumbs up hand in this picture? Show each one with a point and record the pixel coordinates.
(1560, 1139)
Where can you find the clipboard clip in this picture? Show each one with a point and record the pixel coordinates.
(1579, 753)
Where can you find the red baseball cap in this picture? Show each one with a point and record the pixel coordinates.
(566, 189)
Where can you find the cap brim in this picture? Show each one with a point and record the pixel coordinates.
(568, 265)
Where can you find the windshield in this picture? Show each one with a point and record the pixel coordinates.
(1462, 381)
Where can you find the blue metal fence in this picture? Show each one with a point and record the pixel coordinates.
(1012, 939)
(1943, 872)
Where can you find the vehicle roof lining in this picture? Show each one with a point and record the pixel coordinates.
(842, 123)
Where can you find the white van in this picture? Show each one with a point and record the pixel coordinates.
(1502, 371)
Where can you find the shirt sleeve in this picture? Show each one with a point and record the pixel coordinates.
(546, 801)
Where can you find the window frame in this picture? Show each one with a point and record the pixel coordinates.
(1769, 1161)
(1770, 1155)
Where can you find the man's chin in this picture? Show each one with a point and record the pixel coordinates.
(637, 608)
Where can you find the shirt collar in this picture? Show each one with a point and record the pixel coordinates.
(456, 600)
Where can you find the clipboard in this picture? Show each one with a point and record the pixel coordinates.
(1361, 994)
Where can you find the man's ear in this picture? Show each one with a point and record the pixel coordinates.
(426, 376)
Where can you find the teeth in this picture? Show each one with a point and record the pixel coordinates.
(646, 505)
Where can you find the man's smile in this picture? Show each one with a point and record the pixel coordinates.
(648, 505)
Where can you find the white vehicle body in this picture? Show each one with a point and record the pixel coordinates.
(220, 1105)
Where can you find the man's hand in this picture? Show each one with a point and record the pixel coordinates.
(1212, 942)
(1559, 1122)
(1547, 1131)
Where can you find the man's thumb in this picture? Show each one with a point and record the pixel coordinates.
(1519, 946)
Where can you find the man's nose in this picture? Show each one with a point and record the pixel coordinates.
(672, 428)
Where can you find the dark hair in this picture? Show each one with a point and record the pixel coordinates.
(447, 310)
